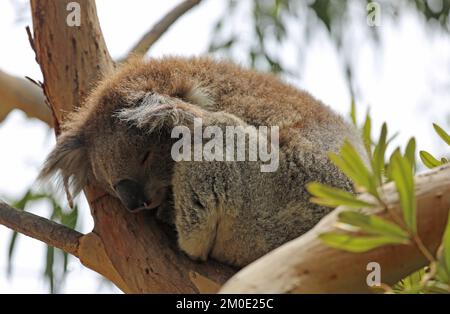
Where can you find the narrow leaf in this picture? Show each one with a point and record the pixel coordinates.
(367, 130)
(353, 166)
(378, 162)
(12, 246)
(444, 135)
(428, 160)
(49, 261)
(410, 152)
(353, 113)
(356, 244)
(444, 258)
(402, 175)
(374, 225)
(333, 197)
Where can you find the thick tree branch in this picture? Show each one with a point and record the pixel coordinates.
(135, 251)
(21, 94)
(17, 93)
(40, 228)
(161, 27)
(88, 248)
(307, 265)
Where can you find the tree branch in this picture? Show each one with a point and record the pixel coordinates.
(40, 228)
(17, 93)
(136, 252)
(88, 248)
(307, 265)
(139, 255)
(21, 94)
(161, 27)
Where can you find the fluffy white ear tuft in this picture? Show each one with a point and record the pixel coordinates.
(156, 112)
(68, 162)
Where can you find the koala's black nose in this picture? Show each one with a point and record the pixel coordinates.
(131, 194)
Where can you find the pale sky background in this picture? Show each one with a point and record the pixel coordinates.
(406, 83)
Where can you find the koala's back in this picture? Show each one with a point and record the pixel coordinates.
(255, 97)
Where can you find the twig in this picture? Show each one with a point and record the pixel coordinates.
(40, 228)
(31, 41)
(161, 27)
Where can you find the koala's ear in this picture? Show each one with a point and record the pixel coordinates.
(68, 162)
(156, 112)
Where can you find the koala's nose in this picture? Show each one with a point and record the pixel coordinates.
(131, 194)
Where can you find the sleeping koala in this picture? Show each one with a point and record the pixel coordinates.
(123, 140)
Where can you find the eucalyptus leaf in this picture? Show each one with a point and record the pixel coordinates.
(378, 162)
(11, 247)
(373, 225)
(443, 271)
(428, 160)
(440, 131)
(402, 175)
(353, 113)
(356, 243)
(49, 273)
(410, 152)
(333, 197)
(353, 166)
(367, 130)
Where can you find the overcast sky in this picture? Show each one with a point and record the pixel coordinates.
(406, 83)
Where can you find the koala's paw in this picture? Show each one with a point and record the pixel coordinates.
(194, 248)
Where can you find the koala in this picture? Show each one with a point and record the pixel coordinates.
(121, 140)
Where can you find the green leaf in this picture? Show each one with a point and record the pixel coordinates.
(352, 165)
(70, 219)
(353, 113)
(56, 211)
(411, 283)
(374, 225)
(65, 261)
(367, 129)
(27, 197)
(49, 261)
(332, 197)
(12, 245)
(403, 177)
(444, 135)
(436, 287)
(428, 160)
(443, 271)
(378, 162)
(410, 152)
(354, 243)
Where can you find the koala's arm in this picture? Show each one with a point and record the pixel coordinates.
(217, 202)
(235, 212)
(201, 190)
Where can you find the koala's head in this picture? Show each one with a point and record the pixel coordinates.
(120, 139)
(107, 147)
